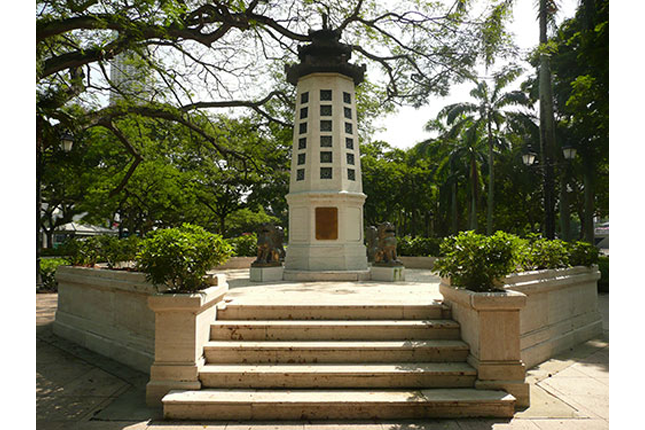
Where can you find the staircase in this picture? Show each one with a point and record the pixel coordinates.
(318, 362)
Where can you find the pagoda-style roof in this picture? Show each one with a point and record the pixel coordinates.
(325, 54)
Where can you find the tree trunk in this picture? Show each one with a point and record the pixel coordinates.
(547, 127)
(472, 224)
(565, 213)
(39, 168)
(587, 225)
(222, 225)
(491, 182)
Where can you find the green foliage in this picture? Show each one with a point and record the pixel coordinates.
(48, 268)
(583, 254)
(100, 249)
(179, 257)
(603, 266)
(114, 250)
(476, 262)
(245, 245)
(83, 252)
(418, 246)
(544, 254)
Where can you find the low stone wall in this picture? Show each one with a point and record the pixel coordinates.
(107, 311)
(418, 262)
(561, 310)
(236, 263)
(490, 325)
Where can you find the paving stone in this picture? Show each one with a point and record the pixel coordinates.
(583, 424)
(185, 425)
(591, 397)
(108, 425)
(343, 425)
(265, 426)
(546, 405)
(67, 408)
(430, 425)
(484, 424)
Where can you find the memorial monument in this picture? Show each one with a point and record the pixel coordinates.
(325, 191)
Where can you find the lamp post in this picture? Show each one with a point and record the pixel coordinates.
(66, 143)
(568, 153)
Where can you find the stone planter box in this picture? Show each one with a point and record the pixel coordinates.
(418, 262)
(107, 311)
(561, 310)
(182, 327)
(490, 325)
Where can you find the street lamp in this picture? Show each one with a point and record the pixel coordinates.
(528, 158)
(569, 152)
(66, 141)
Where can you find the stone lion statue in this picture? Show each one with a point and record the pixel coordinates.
(386, 246)
(270, 249)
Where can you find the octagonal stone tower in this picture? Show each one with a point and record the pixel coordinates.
(326, 191)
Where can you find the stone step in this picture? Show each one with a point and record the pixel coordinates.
(335, 351)
(334, 330)
(341, 375)
(240, 404)
(434, 310)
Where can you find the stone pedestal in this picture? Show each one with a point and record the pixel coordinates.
(329, 275)
(388, 273)
(490, 325)
(182, 327)
(266, 274)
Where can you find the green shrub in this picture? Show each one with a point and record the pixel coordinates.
(180, 257)
(583, 254)
(418, 246)
(544, 254)
(245, 245)
(83, 252)
(98, 249)
(48, 268)
(476, 262)
(404, 246)
(603, 266)
(113, 250)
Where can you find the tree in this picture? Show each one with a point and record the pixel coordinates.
(547, 9)
(203, 55)
(464, 137)
(581, 86)
(488, 115)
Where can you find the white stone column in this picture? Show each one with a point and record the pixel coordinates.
(326, 191)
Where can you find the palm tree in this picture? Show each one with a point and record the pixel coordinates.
(459, 151)
(546, 12)
(487, 114)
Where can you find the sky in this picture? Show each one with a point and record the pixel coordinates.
(405, 128)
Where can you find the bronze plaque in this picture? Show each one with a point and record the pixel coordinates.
(326, 223)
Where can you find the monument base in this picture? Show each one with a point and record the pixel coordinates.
(266, 274)
(388, 273)
(326, 275)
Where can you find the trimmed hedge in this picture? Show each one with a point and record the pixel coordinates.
(418, 246)
(477, 262)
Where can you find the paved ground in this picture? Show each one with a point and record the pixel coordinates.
(78, 389)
